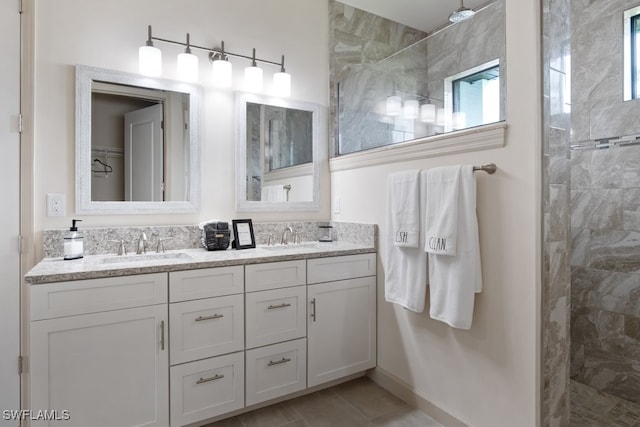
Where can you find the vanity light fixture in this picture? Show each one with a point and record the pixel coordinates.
(410, 109)
(150, 64)
(253, 76)
(221, 68)
(428, 113)
(461, 14)
(150, 58)
(282, 82)
(394, 105)
(188, 64)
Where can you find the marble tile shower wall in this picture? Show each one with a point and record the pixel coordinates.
(605, 260)
(597, 107)
(605, 207)
(555, 174)
(357, 39)
(417, 72)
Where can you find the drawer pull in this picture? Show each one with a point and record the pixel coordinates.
(215, 316)
(279, 362)
(273, 307)
(162, 335)
(213, 378)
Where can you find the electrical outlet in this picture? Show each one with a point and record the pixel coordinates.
(55, 204)
(336, 205)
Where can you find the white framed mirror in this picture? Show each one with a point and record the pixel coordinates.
(137, 144)
(280, 148)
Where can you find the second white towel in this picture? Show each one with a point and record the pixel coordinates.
(454, 280)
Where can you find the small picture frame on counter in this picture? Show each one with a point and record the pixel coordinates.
(243, 234)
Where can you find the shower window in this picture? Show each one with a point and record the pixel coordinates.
(472, 97)
(632, 53)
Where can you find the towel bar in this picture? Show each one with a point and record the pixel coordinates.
(490, 168)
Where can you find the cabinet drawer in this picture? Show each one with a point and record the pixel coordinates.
(341, 267)
(276, 370)
(206, 388)
(276, 315)
(205, 283)
(95, 295)
(206, 328)
(273, 275)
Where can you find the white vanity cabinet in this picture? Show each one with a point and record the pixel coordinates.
(276, 356)
(206, 310)
(182, 347)
(99, 350)
(341, 331)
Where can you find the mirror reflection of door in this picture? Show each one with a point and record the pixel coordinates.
(154, 165)
(143, 155)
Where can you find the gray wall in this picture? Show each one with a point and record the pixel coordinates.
(555, 187)
(598, 110)
(605, 207)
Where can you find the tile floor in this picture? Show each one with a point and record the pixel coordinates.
(359, 402)
(592, 408)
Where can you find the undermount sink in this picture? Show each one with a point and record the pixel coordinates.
(145, 257)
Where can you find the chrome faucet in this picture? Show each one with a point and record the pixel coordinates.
(285, 236)
(142, 244)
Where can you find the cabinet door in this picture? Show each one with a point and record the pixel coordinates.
(106, 369)
(341, 330)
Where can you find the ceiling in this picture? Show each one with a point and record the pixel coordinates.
(425, 15)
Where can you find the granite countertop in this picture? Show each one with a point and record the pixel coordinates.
(96, 266)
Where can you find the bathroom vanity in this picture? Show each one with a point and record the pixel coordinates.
(184, 337)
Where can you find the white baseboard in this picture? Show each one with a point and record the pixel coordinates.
(407, 393)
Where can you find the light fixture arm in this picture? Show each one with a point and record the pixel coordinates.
(150, 37)
(213, 52)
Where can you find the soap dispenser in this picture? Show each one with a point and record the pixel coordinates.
(73, 242)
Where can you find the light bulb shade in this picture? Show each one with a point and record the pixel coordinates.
(394, 106)
(428, 113)
(188, 67)
(221, 73)
(150, 61)
(410, 109)
(440, 117)
(459, 120)
(282, 84)
(253, 79)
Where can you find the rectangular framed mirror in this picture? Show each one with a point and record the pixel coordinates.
(137, 144)
(280, 147)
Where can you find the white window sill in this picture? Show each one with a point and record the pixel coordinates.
(479, 138)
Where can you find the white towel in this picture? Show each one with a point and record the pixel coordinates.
(405, 268)
(441, 225)
(273, 193)
(402, 189)
(454, 280)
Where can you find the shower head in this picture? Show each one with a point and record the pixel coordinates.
(462, 14)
